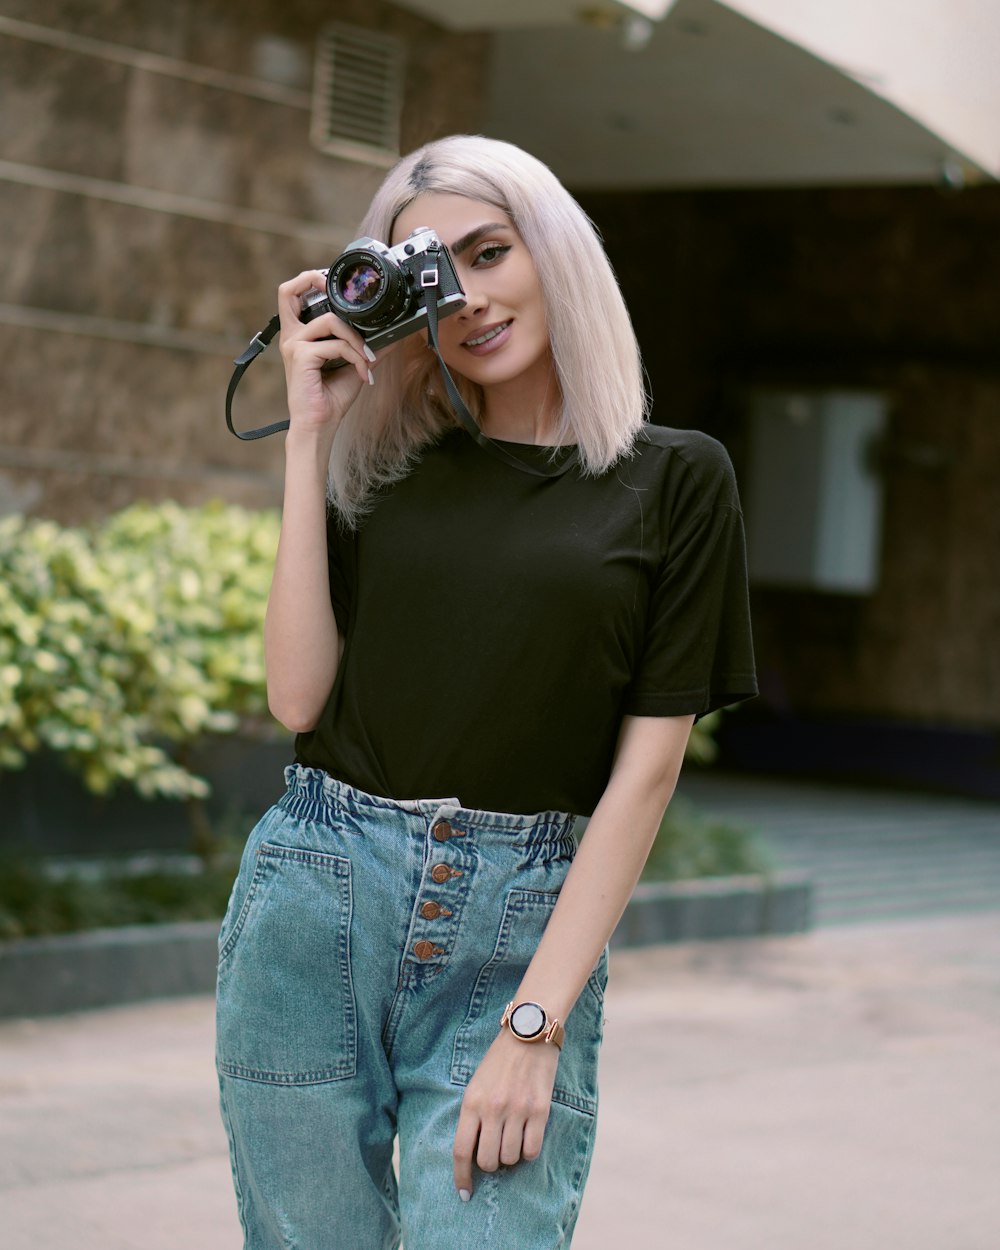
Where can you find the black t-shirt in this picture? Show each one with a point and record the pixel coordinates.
(498, 625)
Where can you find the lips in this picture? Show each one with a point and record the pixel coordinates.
(489, 338)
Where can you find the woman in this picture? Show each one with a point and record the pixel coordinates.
(474, 646)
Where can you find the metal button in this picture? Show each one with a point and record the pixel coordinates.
(441, 830)
(431, 911)
(440, 873)
(424, 949)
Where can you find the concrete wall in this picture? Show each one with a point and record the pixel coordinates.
(156, 183)
(849, 288)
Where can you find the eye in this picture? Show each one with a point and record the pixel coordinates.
(489, 253)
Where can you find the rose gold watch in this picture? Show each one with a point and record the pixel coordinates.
(528, 1022)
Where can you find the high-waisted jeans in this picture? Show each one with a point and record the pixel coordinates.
(365, 959)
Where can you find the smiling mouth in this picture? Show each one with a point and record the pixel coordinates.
(489, 334)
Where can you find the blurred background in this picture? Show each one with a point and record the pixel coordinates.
(800, 201)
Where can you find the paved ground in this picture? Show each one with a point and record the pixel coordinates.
(834, 1091)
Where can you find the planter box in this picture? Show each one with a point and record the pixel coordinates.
(42, 976)
(48, 811)
(102, 967)
(715, 907)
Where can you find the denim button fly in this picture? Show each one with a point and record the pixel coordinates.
(366, 955)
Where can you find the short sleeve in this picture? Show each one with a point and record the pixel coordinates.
(341, 547)
(698, 650)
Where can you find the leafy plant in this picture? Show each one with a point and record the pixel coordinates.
(701, 744)
(35, 901)
(122, 645)
(691, 844)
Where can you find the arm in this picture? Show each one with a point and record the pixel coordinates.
(301, 644)
(506, 1104)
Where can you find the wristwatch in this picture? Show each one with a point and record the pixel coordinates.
(529, 1023)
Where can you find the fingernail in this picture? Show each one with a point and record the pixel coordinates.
(464, 1194)
(371, 378)
(369, 353)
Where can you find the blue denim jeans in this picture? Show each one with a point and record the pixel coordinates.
(365, 958)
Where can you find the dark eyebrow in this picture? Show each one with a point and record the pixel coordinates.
(467, 240)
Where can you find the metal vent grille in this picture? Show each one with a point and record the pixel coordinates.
(358, 94)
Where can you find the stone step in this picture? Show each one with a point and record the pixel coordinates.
(899, 910)
(870, 854)
(972, 866)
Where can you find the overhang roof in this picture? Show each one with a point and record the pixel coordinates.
(747, 93)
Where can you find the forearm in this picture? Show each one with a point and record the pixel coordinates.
(608, 863)
(301, 643)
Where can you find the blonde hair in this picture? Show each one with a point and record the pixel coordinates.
(593, 345)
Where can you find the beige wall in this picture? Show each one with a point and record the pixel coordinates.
(156, 183)
(933, 59)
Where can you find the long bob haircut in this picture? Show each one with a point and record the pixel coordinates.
(593, 345)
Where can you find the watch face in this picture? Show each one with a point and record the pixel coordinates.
(527, 1020)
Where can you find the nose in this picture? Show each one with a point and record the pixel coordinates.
(475, 300)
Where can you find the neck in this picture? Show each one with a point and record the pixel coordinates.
(525, 410)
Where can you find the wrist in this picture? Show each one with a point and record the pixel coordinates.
(529, 1022)
(553, 998)
(308, 451)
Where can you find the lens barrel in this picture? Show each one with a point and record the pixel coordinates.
(367, 289)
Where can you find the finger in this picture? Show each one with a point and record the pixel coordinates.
(336, 340)
(534, 1135)
(488, 1154)
(511, 1143)
(305, 357)
(326, 325)
(465, 1144)
(290, 295)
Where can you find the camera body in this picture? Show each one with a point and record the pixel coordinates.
(381, 290)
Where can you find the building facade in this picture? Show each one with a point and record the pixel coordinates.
(157, 181)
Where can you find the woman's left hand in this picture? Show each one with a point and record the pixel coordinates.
(505, 1108)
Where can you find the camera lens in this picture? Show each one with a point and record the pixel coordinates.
(357, 285)
(367, 289)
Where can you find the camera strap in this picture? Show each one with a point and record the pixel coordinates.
(263, 337)
(556, 469)
(243, 362)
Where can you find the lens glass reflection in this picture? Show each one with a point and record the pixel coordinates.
(358, 284)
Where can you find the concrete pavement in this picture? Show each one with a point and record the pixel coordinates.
(838, 1090)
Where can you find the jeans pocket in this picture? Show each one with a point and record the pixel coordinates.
(525, 916)
(239, 896)
(286, 1011)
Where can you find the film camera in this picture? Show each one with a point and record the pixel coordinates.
(381, 290)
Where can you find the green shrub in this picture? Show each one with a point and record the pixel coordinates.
(33, 901)
(691, 844)
(123, 643)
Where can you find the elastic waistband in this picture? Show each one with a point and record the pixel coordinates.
(313, 794)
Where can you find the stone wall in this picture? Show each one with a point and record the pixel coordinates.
(156, 183)
(891, 289)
